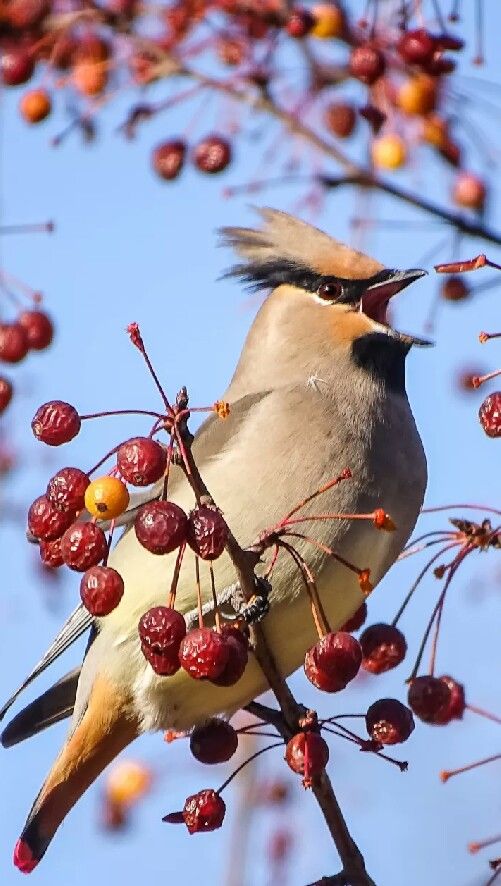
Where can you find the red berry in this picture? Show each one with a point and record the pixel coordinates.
(469, 191)
(340, 119)
(238, 656)
(383, 648)
(455, 707)
(416, 47)
(299, 23)
(428, 697)
(16, 66)
(6, 392)
(357, 619)
(214, 742)
(203, 811)
(212, 154)
(333, 661)
(454, 288)
(141, 461)
(101, 590)
(204, 654)
(161, 630)
(13, 343)
(161, 526)
(207, 532)
(168, 159)
(307, 754)
(367, 63)
(56, 422)
(83, 545)
(38, 327)
(490, 414)
(66, 489)
(388, 721)
(50, 553)
(45, 521)
(22, 14)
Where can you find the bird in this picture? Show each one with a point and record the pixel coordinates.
(319, 388)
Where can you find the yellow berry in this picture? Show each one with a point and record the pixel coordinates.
(389, 152)
(106, 498)
(418, 95)
(329, 21)
(127, 782)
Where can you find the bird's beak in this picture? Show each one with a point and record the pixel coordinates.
(376, 297)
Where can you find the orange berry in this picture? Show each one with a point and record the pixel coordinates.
(329, 21)
(389, 152)
(469, 191)
(435, 131)
(106, 498)
(127, 782)
(418, 95)
(35, 105)
(90, 77)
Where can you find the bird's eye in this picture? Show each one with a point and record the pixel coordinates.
(330, 291)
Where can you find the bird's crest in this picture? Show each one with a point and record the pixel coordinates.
(286, 248)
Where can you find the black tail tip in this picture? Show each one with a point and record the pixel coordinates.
(24, 858)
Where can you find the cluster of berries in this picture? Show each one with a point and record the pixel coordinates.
(32, 330)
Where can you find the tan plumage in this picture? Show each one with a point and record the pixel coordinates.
(319, 387)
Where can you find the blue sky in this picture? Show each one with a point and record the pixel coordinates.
(127, 247)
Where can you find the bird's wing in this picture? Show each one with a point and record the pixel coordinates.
(52, 706)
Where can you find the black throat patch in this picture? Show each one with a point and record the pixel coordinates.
(383, 357)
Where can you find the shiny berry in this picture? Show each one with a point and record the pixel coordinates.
(357, 619)
(6, 392)
(213, 742)
(106, 498)
(469, 191)
(490, 414)
(39, 329)
(13, 343)
(161, 630)
(35, 105)
(299, 23)
(168, 159)
(161, 526)
(101, 590)
(16, 66)
(307, 754)
(416, 47)
(207, 532)
(333, 661)
(456, 704)
(238, 656)
(56, 422)
(454, 288)
(141, 461)
(66, 489)
(428, 697)
(388, 721)
(340, 119)
(203, 811)
(204, 654)
(45, 521)
(50, 553)
(212, 154)
(367, 63)
(383, 648)
(83, 545)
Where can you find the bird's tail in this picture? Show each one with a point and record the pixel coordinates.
(106, 728)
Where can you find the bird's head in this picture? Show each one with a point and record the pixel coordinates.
(323, 294)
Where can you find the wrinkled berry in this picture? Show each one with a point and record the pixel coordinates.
(204, 654)
(56, 422)
(388, 721)
(50, 553)
(490, 414)
(161, 630)
(101, 590)
(83, 545)
(238, 655)
(6, 391)
(428, 697)
(45, 521)
(161, 526)
(212, 154)
(66, 489)
(383, 648)
(333, 661)
(307, 754)
(202, 812)
(367, 63)
(141, 461)
(207, 532)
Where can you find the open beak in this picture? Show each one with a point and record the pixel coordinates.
(376, 298)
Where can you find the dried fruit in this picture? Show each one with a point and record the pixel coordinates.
(141, 461)
(83, 545)
(168, 159)
(383, 648)
(456, 704)
(454, 288)
(55, 422)
(490, 414)
(50, 553)
(307, 754)
(238, 655)
(213, 742)
(388, 721)
(203, 811)
(204, 654)
(207, 532)
(161, 526)
(45, 521)
(66, 489)
(340, 118)
(6, 392)
(333, 661)
(428, 697)
(39, 329)
(367, 63)
(101, 590)
(35, 105)
(13, 343)
(106, 498)
(212, 154)
(161, 631)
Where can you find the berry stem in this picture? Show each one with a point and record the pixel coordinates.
(482, 713)
(106, 413)
(199, 592)
(477, 845)
(175, 577)
(137, 340)
(317, 610)
(420, 577)
(457, 507)
(450, 773)
(344, 475)
(215, 603)
(235, 772)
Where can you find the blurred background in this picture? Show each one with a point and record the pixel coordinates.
(130, 247)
